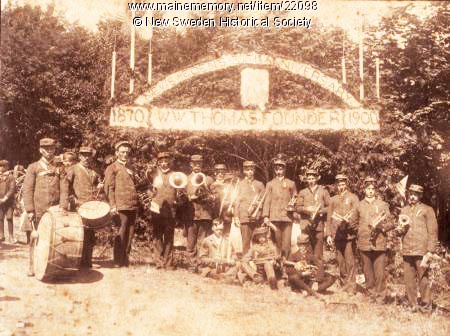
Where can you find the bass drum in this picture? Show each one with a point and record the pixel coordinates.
(60, 242)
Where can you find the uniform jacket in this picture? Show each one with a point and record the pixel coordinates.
(120, 187)
(198, 209)
(279, 193)
(307, 198)
(213, 249)
(165, 194)
(41, 187)
(80, 182)
(366, 213)
(219, 188)
(247, 191)
(421, 236)
(342, 204)
(7, 188)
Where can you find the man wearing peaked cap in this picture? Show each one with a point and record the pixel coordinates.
(312, 207)
(341, 229)
(198, 212)
(280, 191)
(372, 238)
(122, 143)
(80, 185)
(41, 188)
(7, 191)
(120, 190)
(165, 196)
(418, 243)
(249, 204)
(219, 187)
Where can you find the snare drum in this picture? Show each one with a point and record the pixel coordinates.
(58, 249)
(95, 214)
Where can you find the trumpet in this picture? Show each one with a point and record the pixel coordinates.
(291, 205)
(256, 205)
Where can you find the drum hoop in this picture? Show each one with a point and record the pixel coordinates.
(98, 202)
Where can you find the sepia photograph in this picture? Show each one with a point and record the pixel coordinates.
(224, 167)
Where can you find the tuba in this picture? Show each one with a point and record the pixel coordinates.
(179, 181)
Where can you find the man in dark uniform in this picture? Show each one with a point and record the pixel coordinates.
(222, 191)
(374, 221)
(122, 196)
(80, 185)
(304, 267)
(341, 229)
(199, 209)
(280, 191)
(419, 242)
(41, 187)
(246, 215)
(7, 191)
(164, 221)
(312, 205)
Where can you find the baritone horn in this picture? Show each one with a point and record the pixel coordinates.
(179, 181)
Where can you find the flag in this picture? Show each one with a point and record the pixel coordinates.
(401, 186)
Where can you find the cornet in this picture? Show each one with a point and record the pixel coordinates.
(404, 221)
(291, 205)
(376, 222)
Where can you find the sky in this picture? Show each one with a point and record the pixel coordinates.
(344, 14)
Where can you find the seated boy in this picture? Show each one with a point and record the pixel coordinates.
(212, 256)
(303, 268)
(261, 258)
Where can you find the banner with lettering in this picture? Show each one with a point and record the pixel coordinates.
(210, 119)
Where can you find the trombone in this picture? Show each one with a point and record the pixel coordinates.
(256, 204)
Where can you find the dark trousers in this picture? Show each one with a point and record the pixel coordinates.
(283, 237)
(247, 233)
(163, 233)
(6, 212)
(345, 254)
(197, 230)
(374, 263)
(88, 248)
(412, 269)
(122, 241)
(298, 282)
(317, 238)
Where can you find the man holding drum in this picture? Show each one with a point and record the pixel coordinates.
(41, 187)
(81, 184)
(122, 196)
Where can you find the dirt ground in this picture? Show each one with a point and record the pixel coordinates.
(141, 300)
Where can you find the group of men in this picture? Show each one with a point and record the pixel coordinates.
(211, 209)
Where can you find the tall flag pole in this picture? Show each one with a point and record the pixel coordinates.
(377, 69)
(149, 73)
(113, 68)
(344, 75)
(361, 60)
(132, 46)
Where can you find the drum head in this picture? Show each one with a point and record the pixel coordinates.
(42, 249)
(93, 210)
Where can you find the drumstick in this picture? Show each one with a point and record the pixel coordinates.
(99, 189)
